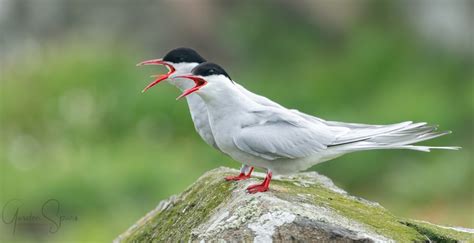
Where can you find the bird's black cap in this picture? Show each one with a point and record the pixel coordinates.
(208, 69)
(183, 54)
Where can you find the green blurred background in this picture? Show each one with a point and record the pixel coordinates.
(75, 127)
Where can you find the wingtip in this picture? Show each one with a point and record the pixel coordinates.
(447, 148)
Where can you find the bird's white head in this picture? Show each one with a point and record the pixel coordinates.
(178, 61)
(208, 78)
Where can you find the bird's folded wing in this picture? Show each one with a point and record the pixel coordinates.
(276, 135)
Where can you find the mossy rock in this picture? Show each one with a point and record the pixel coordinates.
(303, 207)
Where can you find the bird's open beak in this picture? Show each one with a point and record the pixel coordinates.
(159, 78)
(197, 80)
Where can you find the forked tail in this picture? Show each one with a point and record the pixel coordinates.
(397, 136)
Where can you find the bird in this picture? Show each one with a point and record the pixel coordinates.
(282, 142)
(181, 61)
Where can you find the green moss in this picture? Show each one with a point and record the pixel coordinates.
(194, 207)
(438, 234)
(375, 217)
(177, 221)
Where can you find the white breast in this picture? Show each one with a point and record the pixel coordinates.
(198, 111)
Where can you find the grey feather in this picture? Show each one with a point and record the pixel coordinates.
(279, 135)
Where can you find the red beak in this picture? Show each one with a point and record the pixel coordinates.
(161, 77)
(197, 80)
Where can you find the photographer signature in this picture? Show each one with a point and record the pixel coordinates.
(15, 213)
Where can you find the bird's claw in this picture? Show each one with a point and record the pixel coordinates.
(257, 188)
(239, 177)
(263, 187)
(242, 176)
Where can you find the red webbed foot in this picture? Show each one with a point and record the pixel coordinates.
(263, 187)
(240, 177)
(257, 188)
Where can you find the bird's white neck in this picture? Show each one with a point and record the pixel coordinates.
(182, 83)
(221, 95)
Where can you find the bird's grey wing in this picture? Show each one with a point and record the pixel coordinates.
(333, 123)
(337, 127)
(354, 132)
(343, 132)
(280, 135)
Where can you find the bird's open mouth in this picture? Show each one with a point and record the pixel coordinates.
(197, 80)
(161, 77)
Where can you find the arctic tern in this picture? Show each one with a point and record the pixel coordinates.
(181, 61)
(284, 141)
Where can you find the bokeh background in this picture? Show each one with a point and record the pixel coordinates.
(75, 127)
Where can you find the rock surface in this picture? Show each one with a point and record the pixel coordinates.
(303, 207)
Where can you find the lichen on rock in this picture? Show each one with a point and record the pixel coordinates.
(302, 207)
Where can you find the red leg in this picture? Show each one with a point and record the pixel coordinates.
(261, 187)
(250, 171)
(241, 176)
